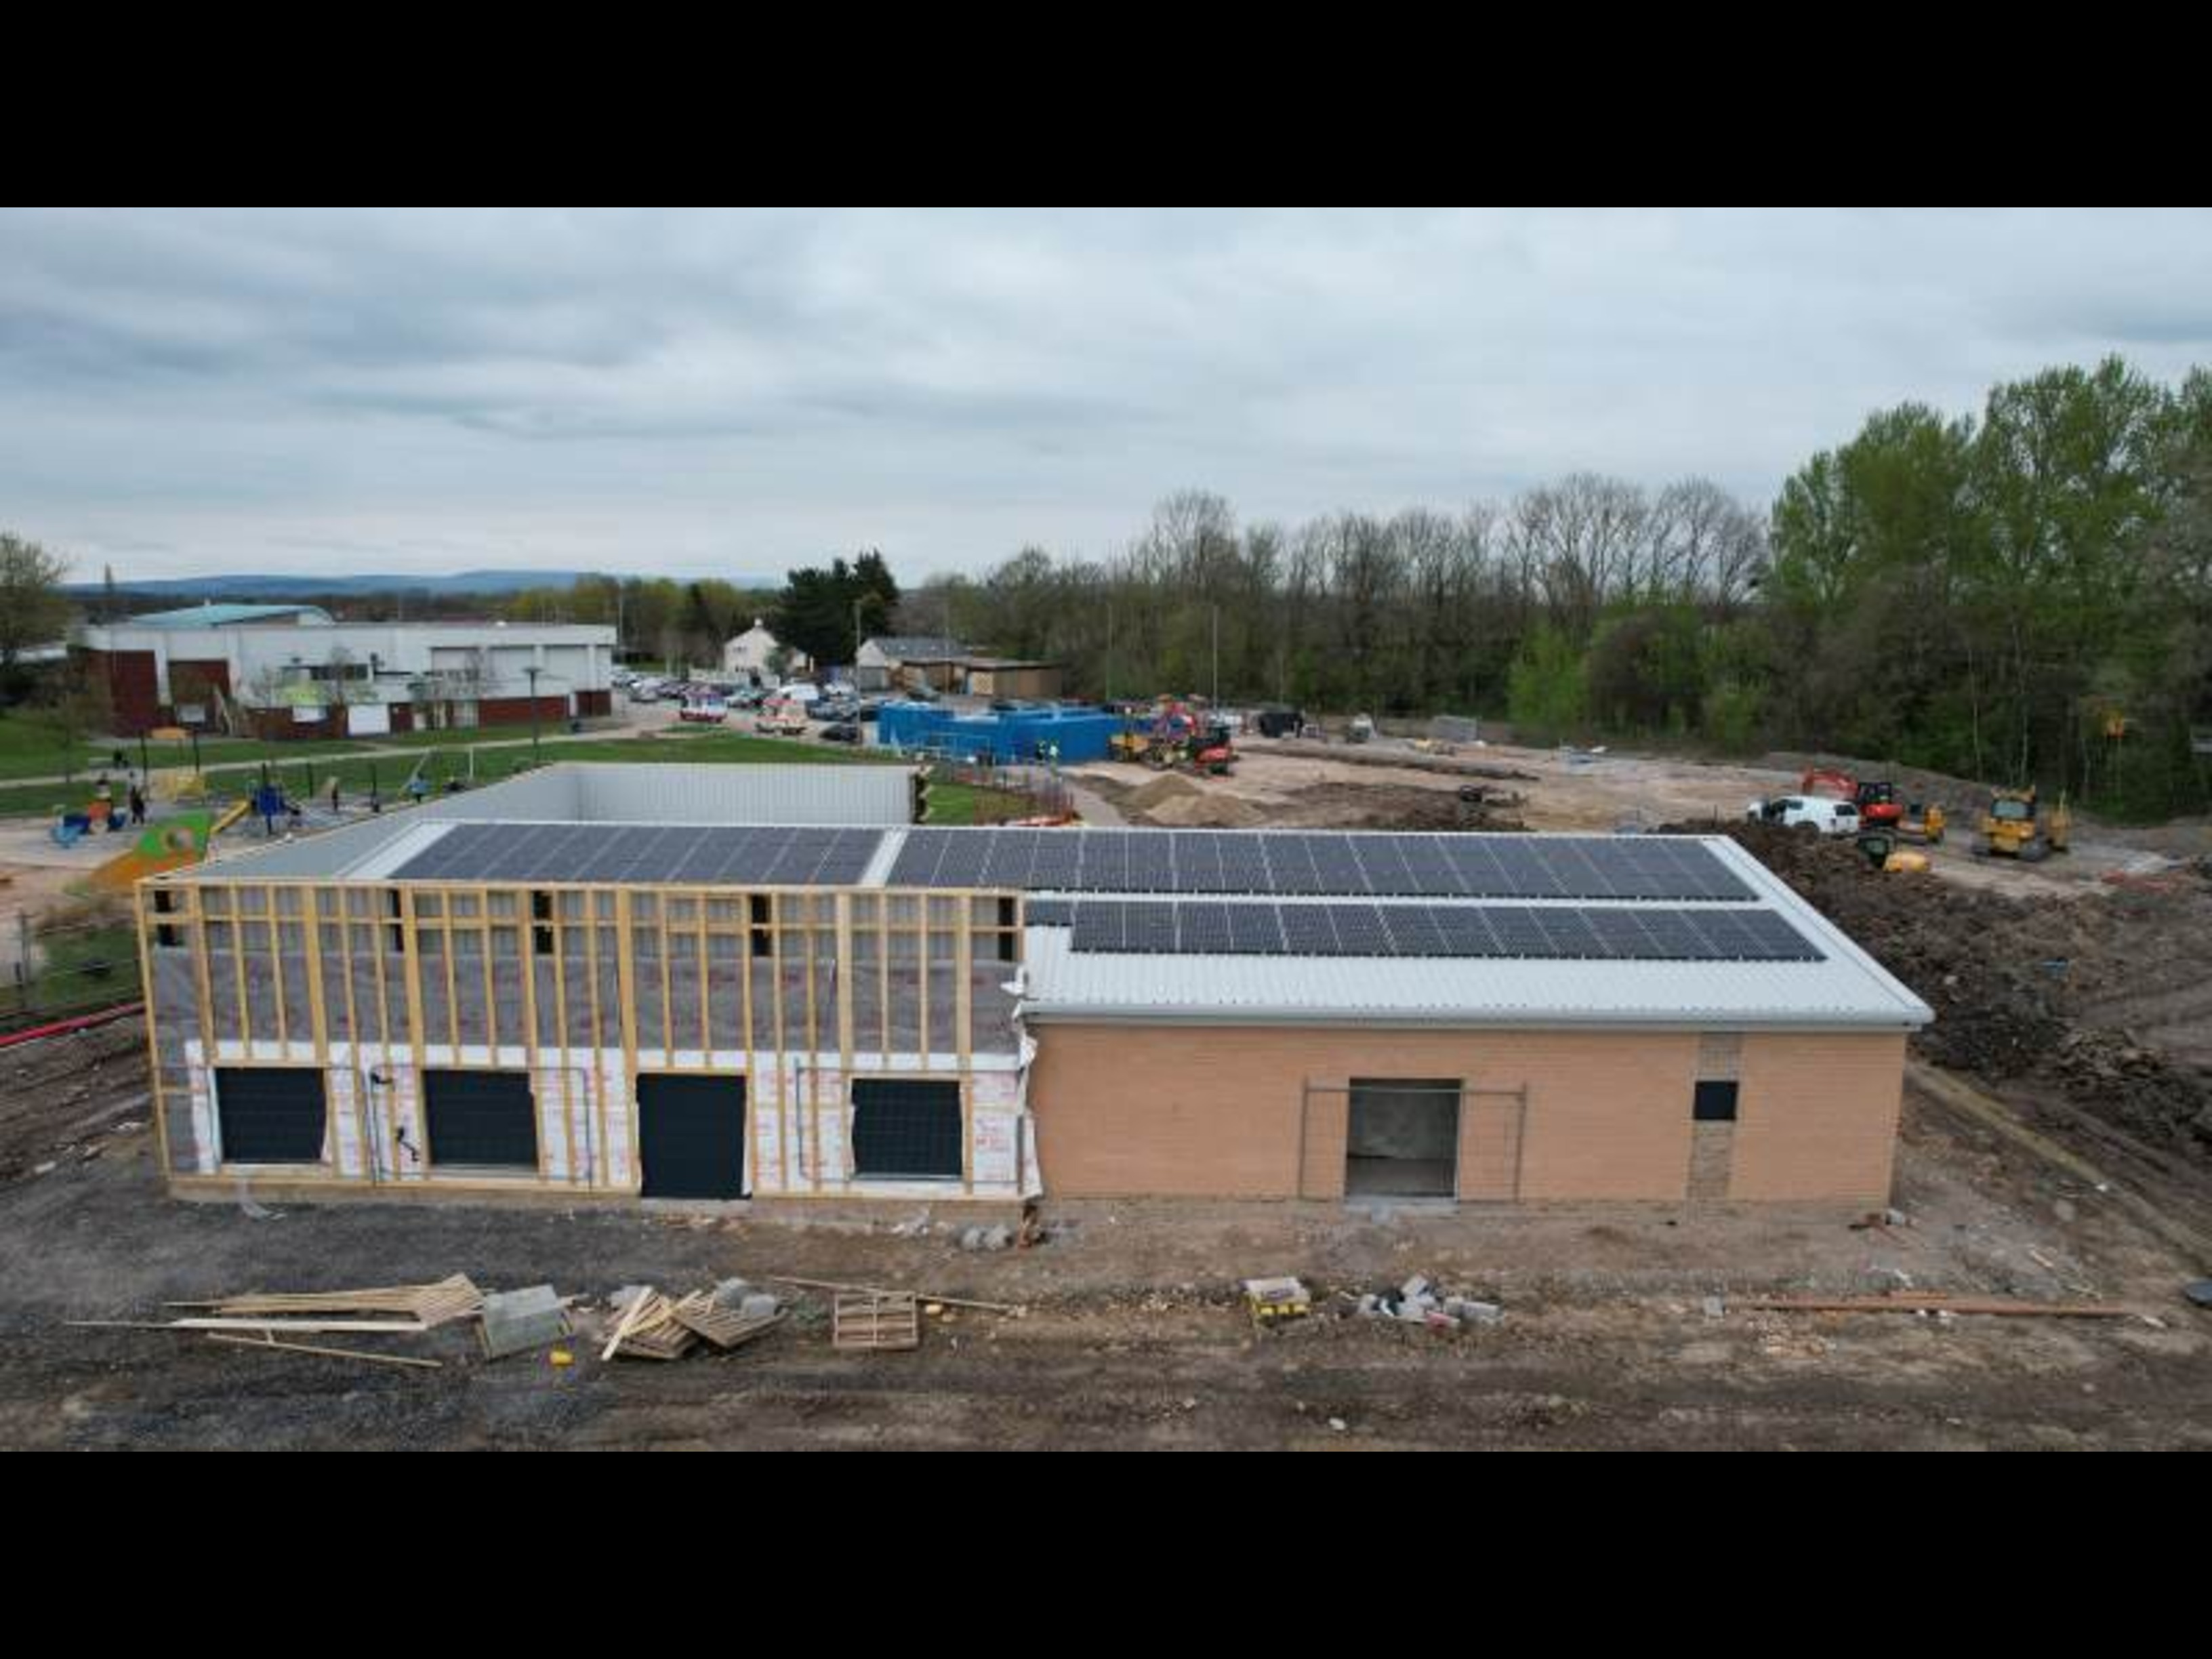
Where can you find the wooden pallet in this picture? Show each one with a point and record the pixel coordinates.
(875, 1322)
(649, 1330)
(725, 1327)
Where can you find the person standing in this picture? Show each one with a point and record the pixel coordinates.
(138, 805)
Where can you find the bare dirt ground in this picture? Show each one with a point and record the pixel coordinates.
(1133, 1339)
(1387, 784)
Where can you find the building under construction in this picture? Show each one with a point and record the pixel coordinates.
(719, 983)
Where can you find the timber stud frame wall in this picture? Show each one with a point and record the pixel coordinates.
(583, 989)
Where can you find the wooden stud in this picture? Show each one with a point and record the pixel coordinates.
(667, 982)
(813, 1055)
(752, 1054)
(603, 1163)
(626, 979)
(276, 979)
(784, 1127)
(363, 1127)
(963, 1015)
(411, 944)
(203, 972)
(238, 964)
(706, 983)
(153, 1026)
(556, 928)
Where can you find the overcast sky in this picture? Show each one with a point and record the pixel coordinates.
(729, 393)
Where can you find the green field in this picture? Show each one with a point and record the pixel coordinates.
(306, 769)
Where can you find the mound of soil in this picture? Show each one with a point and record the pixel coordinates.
(1203, 812)
(1167, 788)
(2009, 978)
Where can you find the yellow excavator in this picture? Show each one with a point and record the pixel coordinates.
(2017, 827)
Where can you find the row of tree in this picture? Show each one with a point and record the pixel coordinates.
(821, 611)
(2022, 595)
(2025, 595)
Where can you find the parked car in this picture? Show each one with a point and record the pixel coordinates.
(868, 709)
(703, 711)
(840, 731)
(1829, 817)
(800, 691)
(781, 719)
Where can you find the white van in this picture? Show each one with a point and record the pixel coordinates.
(1830, 817)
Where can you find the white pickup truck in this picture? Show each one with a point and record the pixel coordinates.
(1830, 817)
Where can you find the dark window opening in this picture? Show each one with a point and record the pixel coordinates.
(1009, 922)
(1715, 1104)
(1401, 1138)
(691, 1136)
(764, 939)
(485, 1119)
(904, 1130)
(166, 936)
(395, 934)
(272, 1114)
(541, 916)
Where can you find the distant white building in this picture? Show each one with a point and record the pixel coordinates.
(291, 672)
(749, 654)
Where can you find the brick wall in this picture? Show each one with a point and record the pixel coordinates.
(1223, 1112)
(133, 686)
(1817, 1118)
(515, 711)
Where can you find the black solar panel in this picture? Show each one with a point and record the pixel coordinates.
(1536, 932)
(680, 855)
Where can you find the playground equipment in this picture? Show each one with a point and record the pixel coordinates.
(173, 844)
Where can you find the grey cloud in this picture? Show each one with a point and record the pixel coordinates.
(736, 391)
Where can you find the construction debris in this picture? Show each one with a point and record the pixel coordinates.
(1272, 1300)
(648, 1328)
(521, 1322)
(1418, 1302)
(875, 1322)
(705, 1317)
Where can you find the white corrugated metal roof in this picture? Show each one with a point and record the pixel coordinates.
(1848, 988)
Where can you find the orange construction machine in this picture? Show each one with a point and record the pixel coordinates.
(1879, 806)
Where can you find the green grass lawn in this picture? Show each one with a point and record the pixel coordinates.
(28, 749)
(307, 769)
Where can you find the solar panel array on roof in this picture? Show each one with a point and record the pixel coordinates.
(1195, 928)
(704, 855)
(1290, 864)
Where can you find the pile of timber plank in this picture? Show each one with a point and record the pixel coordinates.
(653, 1326)
(649, 1329)
(428, 1305)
